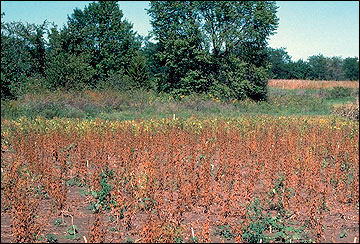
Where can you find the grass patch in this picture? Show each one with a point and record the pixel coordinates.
(136, 104)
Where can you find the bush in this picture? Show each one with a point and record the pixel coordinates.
(35, 84)
(9, 109)
(69, 71)
(51, 238)
(115, 81)
(50, 110)
(339, 92)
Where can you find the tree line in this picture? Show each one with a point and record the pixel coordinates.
(217, 47)
(316, 67)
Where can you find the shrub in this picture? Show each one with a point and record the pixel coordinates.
(115, 81)
(339, 92)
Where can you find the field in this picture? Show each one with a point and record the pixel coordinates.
(311, 84)
(286, 170)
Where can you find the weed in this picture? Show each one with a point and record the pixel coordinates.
(279, 230)
(254, 232)
(129, 240)
(282, 232)
(146, 203)
(40, 191)
(59, 222)
(73, 233)
(103, 196)
(343, 234)
(225, 232)
(84, 192)
(113, 229)
(51, 238)
(75, 181)
(194, 239)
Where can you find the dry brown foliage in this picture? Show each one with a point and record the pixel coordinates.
(162, 175)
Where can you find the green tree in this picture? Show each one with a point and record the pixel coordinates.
(351, 68)
(149, 51)
(22, 56)
(299, 70)
(280, 61)
(238, 32)
(180, 51)
(335, 68)
(138, 72)
(204, 45)
(100, 33)
(318, 64)
(64, 69)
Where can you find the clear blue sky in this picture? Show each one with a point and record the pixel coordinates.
(306, 28)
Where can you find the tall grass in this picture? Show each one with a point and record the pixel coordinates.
(123, 105)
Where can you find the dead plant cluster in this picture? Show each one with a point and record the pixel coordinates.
(177, 182)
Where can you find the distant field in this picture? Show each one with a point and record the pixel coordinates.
(311, 84)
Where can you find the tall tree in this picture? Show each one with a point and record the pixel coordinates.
(22, 56)
(138, 72)
(100, 32)
(335, 68)
(280, 61)
(204, 45)
(299, 70)
(351, 68)
(63, 68)
(238, 32)
(149, 50)
(180, 51)
(318, 64)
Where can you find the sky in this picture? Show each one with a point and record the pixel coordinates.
(305, 28)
